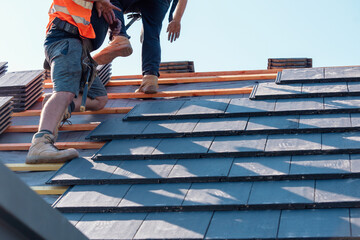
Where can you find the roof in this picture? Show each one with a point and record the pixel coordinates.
(281, 162)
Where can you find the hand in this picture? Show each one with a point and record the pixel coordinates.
(173, 29)
(105, 8)
(115, 28)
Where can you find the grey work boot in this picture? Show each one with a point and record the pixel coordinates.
(149, 84)
(42, 150)
(62, 121)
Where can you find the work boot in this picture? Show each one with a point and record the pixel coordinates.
(149, 84)
(119, 47)
(42, 150)
(63, 119)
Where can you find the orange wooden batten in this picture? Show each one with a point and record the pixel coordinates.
(60, 145)
(246, 77)
(34, 128)
(189, 93)
(118, 110)
(195, 74)
(202, 74)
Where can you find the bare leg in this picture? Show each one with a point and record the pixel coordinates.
(54, 109)
(91, 104)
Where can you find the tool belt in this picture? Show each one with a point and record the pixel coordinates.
(88, 64)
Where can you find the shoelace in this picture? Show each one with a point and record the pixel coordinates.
(51, 141)
(65, 121)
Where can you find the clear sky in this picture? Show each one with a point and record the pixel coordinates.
(218, 35)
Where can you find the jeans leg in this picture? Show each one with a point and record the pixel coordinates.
(120, 16)
(153, 13)
(100, 27)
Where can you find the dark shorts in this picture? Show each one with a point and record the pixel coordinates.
(64, 56)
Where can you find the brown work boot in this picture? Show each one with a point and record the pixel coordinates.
(63, 119)
(119, 47)
(149, 84)
(42, 150)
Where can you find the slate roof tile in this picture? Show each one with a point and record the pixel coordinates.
(263, 181)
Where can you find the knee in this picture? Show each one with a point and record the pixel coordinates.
(67, 97)
(101, 102)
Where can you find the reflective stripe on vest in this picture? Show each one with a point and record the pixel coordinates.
(75, 12)
(84, 4)
(77, 19)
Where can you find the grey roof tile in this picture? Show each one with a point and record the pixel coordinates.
(339, 190)
(334, 141)
(115, 126)
(154, 108)
(355, 162)
(301, 104)
(149, 195)
(341, 102)
(314, 223)
(171, 126)
(86, 169)
(210, 106)
(293, 142)
(178, 225)
(289, 75)
(355, 119)
(221, 124)
(260, 166)
(245, 143)
(324, 88)
(353, 87)
(245, 105)
(225, 193)
(275, 122)
(73, 218)
(320, 164)
(111, 225)
(144, 169)
(244, 225)
(342, 72)
(325, 121)
(93, 196)
(201, 167)
(355, 221)
(180, 146)
(282, 192)
(126, 147)
(270, 90)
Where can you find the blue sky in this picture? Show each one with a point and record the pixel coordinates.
(216, 35)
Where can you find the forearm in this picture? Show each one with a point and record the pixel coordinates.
(180, 9)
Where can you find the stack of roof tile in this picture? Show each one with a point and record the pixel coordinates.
(104, 73)
(5, 113)
(268, 168)
(275, 63)
(177, 67)
(26, 87)
(3, 68)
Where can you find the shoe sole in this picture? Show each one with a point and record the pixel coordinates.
(49, 160)
(109, 57)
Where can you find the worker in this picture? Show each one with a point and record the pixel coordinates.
(153, 13)
(66, 48)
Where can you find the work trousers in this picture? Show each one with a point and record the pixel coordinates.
(153, 13)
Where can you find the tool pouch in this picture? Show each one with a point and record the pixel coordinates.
(88, 64)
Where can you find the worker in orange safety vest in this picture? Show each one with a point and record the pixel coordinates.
(66, 48)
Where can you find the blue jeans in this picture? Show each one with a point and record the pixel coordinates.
(153, 13)
(100, 27)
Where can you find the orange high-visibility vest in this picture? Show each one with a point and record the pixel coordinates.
(75, 12)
